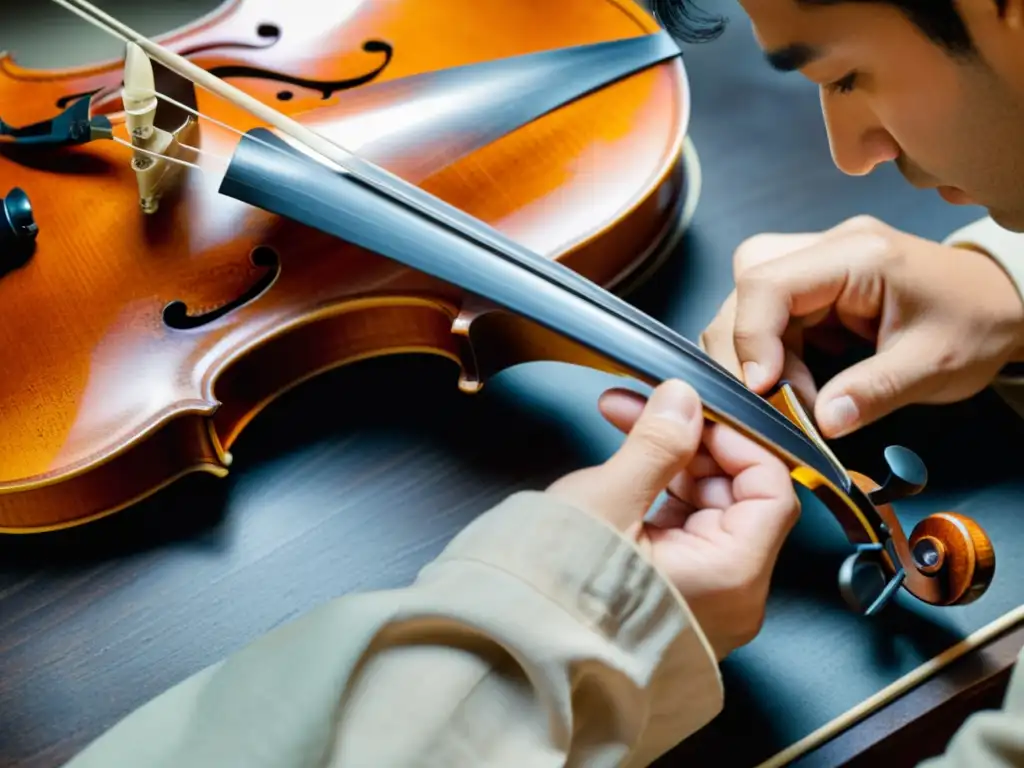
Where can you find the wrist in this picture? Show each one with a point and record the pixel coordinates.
(1014, 316)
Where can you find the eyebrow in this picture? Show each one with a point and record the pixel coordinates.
(792, 57)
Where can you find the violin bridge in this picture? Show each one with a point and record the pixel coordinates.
(155, 148)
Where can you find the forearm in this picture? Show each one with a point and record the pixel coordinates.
(539, 637)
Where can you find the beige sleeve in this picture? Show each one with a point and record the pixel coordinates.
(991, 738)
(1006, 249)
(539, 637)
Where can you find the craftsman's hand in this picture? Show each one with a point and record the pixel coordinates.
(731, 505)
(943, 320)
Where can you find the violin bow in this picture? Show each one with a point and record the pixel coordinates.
(302, 175)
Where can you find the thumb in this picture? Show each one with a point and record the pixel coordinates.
(662, 442)
(873, 388)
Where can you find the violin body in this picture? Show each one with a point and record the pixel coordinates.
(290, 54)
(137, 346)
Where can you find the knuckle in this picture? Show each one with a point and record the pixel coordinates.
(769, 246)
(759, 278)
(760, 248)
(948, 358)
(746, 253)
(661, 439)
(885, 386)
(871, 240)
(863, 223)
(745, 337)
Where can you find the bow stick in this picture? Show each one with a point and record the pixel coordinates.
(304, 176)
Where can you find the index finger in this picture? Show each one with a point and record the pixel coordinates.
(737, 454)
(766, 505)
(768, 246)
(771, 294)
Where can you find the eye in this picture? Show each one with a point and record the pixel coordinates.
(844, 84)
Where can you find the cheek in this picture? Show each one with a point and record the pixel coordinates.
(926, 123)
(972, 146)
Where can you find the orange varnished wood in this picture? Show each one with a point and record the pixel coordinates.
(101, 403)
(968, 559)
(967, 563)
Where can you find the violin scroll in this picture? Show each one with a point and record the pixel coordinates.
(954, 548)
(948, 559)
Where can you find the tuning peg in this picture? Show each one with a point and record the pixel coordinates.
(863, 583)
(907, 476)
(18, 228)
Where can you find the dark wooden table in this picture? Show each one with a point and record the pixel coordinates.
(356, 480)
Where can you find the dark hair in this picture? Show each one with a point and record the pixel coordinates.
(938, 19)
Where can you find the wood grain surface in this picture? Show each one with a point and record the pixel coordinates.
(356, 480)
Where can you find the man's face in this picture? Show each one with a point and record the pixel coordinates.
(889, 93)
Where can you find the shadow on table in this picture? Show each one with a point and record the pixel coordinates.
(397, 404)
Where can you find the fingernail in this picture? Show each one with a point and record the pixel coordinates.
(840, 415)
(674, 399)
(753, 375)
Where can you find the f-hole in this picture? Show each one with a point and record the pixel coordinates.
(176, 314)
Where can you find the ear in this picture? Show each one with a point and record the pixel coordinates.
(982, 14)
(996, 28)
(1012, 12)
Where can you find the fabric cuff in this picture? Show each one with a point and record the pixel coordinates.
(1004, 247)
(595, 573)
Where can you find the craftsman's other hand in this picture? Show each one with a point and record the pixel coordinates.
(943, 320)
(731, 505)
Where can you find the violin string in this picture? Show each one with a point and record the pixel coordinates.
(105, 23)
(317, 155)
(157, 155)
(226, 126)
(197, 113)
(206, 152)
(390, 186)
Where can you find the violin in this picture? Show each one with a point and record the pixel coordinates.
(432, 237)
(169, 315)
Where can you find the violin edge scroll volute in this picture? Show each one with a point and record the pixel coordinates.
(947, 559)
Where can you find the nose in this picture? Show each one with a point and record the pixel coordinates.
(856, 138)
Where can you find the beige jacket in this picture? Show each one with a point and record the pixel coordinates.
(562, 647)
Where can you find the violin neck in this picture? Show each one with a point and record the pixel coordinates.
(269, 174)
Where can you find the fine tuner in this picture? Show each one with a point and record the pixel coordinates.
(260, 255)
